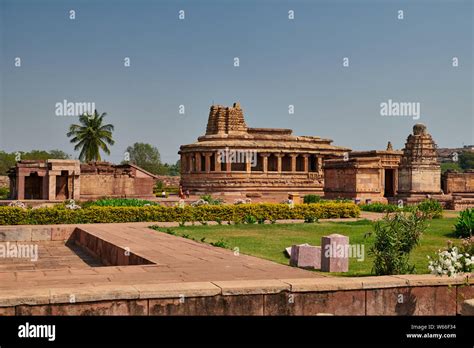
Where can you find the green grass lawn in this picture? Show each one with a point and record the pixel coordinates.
(269, 241)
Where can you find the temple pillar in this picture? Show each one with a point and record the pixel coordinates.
(207, 156)
(189, 157)
(305, 163)
(51, 186)
(197, 158)
(293, 162)
(183, 163)
(279, 156)
(319, 165)
(265, 161)
(248, 165)
(217, 161)
(20, 187)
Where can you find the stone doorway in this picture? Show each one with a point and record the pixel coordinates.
(62, 189)
(389, 187)
(33, 186)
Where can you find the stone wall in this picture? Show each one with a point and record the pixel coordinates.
(355, 178)
(95, 186)
(168, 181)
(458, 183)
(422, 295)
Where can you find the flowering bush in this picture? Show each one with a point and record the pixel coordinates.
(452, 260)
(199, 202)
(242, 201)
(17, 204)
(71, 204)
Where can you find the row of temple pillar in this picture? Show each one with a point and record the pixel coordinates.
(193, 162)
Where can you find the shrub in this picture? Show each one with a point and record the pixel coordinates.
(431, 208)
(309, 219)
(237, 213)
(395, 237)
(465, 224)
(311, 199)
(378, 207)
(250, 219)
(4, 192)
(212, 201)
(119, 202)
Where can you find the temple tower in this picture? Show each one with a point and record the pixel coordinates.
(226, 120)
(419, 173)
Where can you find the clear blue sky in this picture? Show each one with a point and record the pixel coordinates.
(190, 62)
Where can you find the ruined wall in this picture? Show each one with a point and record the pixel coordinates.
(108, 185)
(458, 183)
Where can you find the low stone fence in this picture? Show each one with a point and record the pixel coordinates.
(387, 295)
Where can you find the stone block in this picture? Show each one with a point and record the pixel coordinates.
(334, 253)
(306, 256)
(209, 305)
(315, 303)
(115, 307)
(467, 307)
(40, 233)
(419, 300)
(15, 234)
(249, 287)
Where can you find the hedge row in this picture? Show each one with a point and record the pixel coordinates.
(49, 216)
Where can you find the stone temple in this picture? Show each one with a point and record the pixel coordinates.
(58, 180)
(268, 164)
(234, 158)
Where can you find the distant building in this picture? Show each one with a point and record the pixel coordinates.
(58, 180)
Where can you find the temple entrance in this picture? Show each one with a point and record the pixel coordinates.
(33, 186)
(389, 190)
(62, 190)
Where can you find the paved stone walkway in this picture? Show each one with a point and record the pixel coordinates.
(176, 260)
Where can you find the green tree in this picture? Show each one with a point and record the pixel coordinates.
(7, 160)
(91, 136)
(175, 169)
(146, 156)
(466, 160)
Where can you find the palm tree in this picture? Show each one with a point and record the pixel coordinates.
(91, 135)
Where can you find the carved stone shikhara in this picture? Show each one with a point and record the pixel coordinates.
(419, 172)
